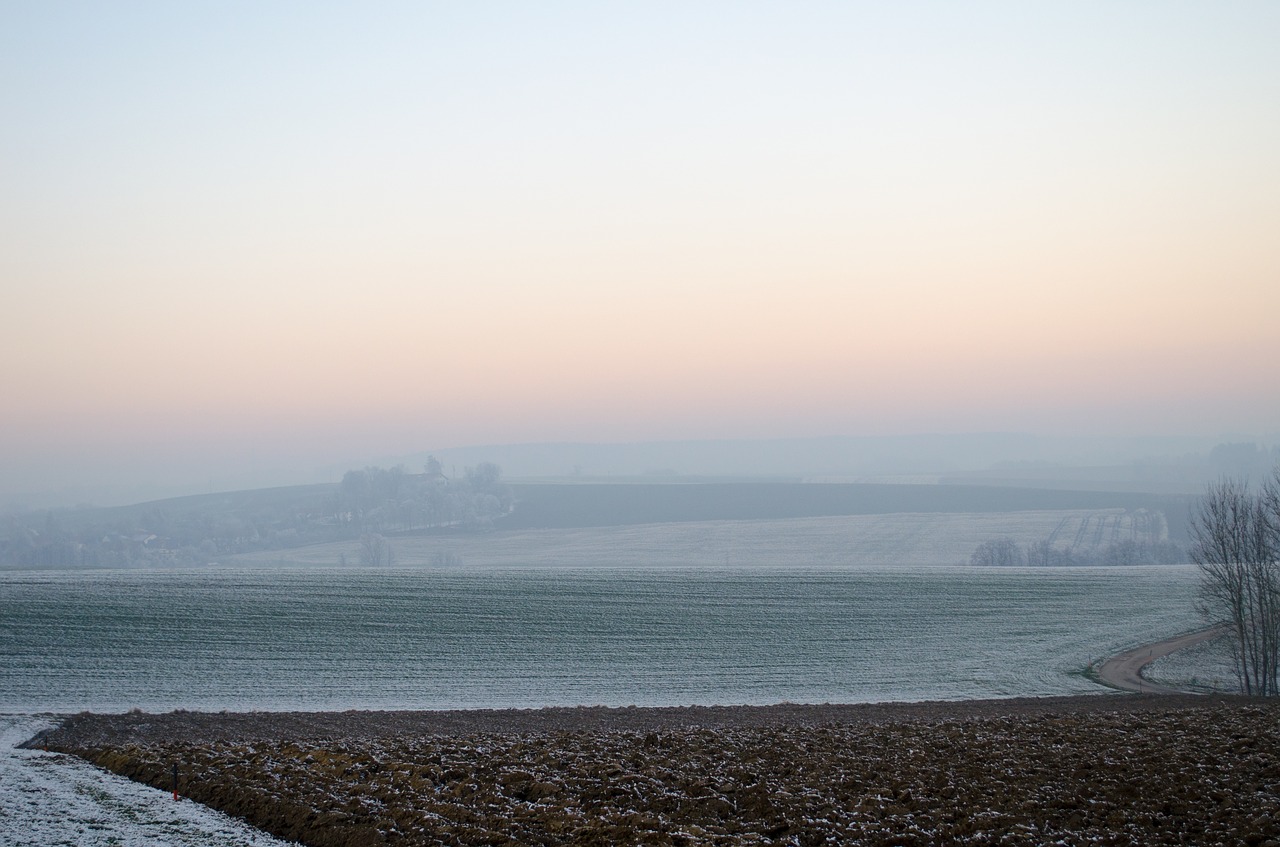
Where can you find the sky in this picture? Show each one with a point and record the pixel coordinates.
(287, 234)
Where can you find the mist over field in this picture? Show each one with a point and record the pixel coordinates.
(419, 355)
(247, 245)
(1156, 464)
(505, 284)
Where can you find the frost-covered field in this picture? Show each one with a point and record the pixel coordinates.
(50, 799)
(1206, 666)
(422, 638)
(918, 539)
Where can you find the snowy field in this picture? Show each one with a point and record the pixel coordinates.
(50, 800)
(847, 540)
(433, 638)
(425, 637)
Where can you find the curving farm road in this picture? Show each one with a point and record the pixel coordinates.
(1124, 670)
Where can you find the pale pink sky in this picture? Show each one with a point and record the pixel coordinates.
(238, 234)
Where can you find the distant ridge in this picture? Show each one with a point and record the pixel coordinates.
(552, 506)
(849, 456)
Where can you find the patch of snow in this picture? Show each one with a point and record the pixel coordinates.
(56, 800)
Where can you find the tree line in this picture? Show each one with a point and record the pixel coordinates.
(375, 501)
(392, 500)
(372, 501)
(1005, 552)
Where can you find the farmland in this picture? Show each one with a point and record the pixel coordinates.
(943, 538)
(473, 521)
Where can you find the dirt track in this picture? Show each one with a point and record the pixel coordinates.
(1124, 670)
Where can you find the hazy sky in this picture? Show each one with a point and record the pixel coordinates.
(244, 233)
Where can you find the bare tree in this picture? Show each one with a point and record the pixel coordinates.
(375, 551)
(1042, 553)
(1000, 552)
(1235, 535)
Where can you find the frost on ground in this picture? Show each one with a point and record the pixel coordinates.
(1206, 666)
(1124, 770)
(943, 538)
(50, 799)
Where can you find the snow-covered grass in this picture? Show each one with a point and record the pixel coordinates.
(903, 538)
(421, 637)
(52, 799)
(1206, 666)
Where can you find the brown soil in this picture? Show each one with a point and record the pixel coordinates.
(1116, 769)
